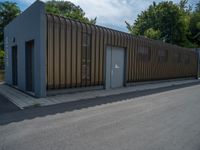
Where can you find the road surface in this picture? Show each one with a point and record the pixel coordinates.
(168, 120)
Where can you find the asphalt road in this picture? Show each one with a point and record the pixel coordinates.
(164, 121)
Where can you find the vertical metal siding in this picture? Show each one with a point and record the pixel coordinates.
(101, 57)
(62, 54)
(56, 52)
(68, 52)
(97, 56)
(93, 36)
(79, 54)
(65, 55)
(50, 52)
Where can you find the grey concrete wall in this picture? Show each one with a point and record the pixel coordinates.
(30, 25)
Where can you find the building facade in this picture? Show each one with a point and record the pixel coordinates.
(45, 53)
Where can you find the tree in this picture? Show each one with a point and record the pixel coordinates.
(68, 9)
(171, 20)
(152, 34)
(8, 11)
(198, 7)
(183, 3)
(194, 26)
(2, 53)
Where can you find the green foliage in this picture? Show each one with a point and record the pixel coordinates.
(2, 54)
(194, 26)
(183, 3)
(68, 9)
(152, 34)
(2, 74)
(8, 11)
(197, 9)
(198, 25)
(165, 21)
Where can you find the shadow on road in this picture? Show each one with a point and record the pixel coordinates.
(31, 113)
(6, 106)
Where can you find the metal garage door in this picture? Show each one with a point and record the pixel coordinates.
(114, 67)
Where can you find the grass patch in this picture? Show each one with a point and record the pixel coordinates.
(36, 105)
(33, 106)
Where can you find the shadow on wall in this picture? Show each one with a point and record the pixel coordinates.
(31, 113)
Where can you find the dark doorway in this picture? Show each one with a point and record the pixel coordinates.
(14, 65)
(30, 66)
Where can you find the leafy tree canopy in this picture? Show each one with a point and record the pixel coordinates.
(194, 26)
(165, 21)
(8, 11)
(68, 9)
(197, 9)
(153, 34)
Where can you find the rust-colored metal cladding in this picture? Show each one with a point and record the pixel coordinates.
(76, 55)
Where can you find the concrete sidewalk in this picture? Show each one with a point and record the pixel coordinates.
(23, 100)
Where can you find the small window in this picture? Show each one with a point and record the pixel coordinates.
(144, 54)
(86, 57)
(162, 56)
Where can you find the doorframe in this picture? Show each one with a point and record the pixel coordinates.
(33, 64)
(125, 64)
(16, 64)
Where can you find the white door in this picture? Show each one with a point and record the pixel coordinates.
(115, 67)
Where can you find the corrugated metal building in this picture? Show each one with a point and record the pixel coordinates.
(46, 52)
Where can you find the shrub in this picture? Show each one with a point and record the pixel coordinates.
(2, 54)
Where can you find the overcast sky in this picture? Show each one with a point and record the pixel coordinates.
(109, 13)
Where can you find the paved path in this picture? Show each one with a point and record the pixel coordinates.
(164, 121)
(23, 100)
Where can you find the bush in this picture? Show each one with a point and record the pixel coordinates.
(2, 54)
(2, 75)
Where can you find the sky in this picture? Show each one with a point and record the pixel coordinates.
(109, 13)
